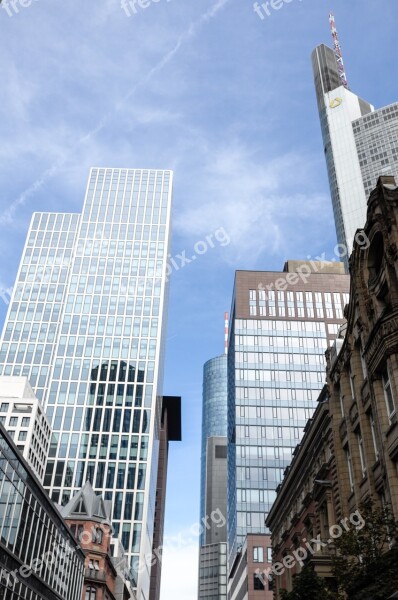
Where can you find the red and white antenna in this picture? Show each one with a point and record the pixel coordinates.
(337, 51)
(226, 332)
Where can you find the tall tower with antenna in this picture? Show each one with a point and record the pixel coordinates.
(337, 51)
(341, 114)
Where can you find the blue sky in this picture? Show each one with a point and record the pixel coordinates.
(224, 99)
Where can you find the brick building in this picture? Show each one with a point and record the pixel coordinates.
(89, 518)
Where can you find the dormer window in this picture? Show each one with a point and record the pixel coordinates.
(80, 508)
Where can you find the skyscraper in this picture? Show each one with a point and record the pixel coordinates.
(280, 327)
(213, 493)
(360, 144)
(86, 325)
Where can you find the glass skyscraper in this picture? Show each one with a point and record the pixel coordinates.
(214, 416)
(360, 145)
(281, 325)
(213, 493)
(86, 325)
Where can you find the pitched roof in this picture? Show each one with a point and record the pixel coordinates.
(87, 505)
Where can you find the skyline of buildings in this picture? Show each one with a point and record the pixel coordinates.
(360, 144)
(86, 328)
(86, 325)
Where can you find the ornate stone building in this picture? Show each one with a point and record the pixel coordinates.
(363, 375)
(89, 518)
(350, 449)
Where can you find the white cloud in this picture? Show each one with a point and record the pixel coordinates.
(256, 199)
(180, 573)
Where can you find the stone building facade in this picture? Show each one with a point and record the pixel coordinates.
(88, 516)
(350, 450)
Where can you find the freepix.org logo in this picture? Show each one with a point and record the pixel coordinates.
(336, 102)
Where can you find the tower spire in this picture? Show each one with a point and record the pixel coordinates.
(337, 51)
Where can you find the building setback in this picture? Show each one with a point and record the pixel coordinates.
(350, 450)
(360, 144)
(86, 326)
(24, 418)
(39, 557)
(281, 325)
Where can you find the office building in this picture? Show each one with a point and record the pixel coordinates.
(26, 423)
(39, 557)
(86, 326)
(88, 516)
(281, 324)
(349, 453)
(213, 494)
(360, 144)
(170, 431)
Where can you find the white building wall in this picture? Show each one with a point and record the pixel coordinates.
(25, 420)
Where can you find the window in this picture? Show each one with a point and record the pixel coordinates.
(25, 421)
(258, 554)
(97, 535)
(4, 407)
(90, 593)
(22, 436)
(269, 555)
(388, 393)
(257, 582)
(13, 421)
(374, 436)
(363, 364)
(350, 468)
(361, 453)
(341, 401)
(352, 385)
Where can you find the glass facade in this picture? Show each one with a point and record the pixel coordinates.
(214, 417)
(376, 138)
(85, 325)
(33, 533)
(276, 369)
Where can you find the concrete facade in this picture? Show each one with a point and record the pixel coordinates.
(23, 417)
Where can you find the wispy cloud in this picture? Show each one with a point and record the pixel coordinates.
(260, 204)
(9, 213)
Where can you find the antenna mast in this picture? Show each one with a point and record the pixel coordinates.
(337, 51)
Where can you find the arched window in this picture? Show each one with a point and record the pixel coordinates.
(99, 535)
(91, 593)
